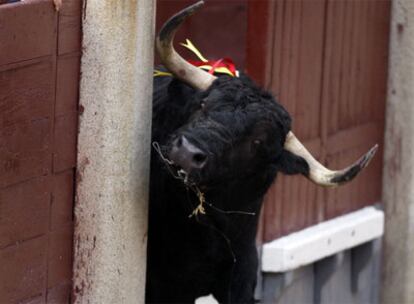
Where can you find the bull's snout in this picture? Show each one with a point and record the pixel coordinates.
(186, 155)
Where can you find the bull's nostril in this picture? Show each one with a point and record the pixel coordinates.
(199, 158)
(179, 141)
(186, 155)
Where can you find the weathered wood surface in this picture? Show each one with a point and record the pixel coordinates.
(39, 75)
(326, 61)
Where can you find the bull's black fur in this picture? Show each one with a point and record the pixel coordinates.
(242, 128)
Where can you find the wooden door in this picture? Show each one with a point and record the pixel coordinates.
(326, 61)
(39, 76)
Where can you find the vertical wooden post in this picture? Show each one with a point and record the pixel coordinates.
(114, 150)
(398, 181)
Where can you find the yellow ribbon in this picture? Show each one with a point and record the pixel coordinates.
(190, 46)
(161, 73)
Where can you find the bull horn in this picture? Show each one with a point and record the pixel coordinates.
(181, 69)
(321, 175)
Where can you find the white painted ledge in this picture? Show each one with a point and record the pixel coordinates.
(322, 240)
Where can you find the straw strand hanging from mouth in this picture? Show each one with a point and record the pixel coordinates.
(183, 176)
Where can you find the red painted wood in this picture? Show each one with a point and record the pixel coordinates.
(39, 82)
(356, 67)
(328, 66)
(65, 135)
(67, 84)
(24, 210)
(218, 30)
(60, 256)
(59, 294)
(258, 42)
(62, 199)
(27, 30)
(25, 151)
(23, 271)
(297, 31)
(69, 39)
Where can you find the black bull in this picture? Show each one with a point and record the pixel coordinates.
(217, 150)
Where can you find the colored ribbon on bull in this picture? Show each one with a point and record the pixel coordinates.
(221, 66)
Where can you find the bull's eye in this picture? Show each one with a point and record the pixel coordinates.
(179, 141)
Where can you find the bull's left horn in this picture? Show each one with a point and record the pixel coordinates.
(321, 175)
(181, 69)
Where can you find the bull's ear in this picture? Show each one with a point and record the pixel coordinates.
(290, 164)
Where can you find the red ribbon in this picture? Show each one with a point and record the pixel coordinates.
(221, 63)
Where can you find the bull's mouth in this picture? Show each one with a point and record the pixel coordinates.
(179, 172)
(176, 171)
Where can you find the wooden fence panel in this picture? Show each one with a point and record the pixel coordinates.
(39, 79)
(297, 33)
(326, 61)
(353, 96)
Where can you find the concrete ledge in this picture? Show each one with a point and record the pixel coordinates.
(322, 240)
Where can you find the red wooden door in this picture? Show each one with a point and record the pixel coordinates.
(326, 61)
(39, 75)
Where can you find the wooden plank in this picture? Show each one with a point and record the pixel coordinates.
(27, 30)
(25, 151)
(59, 294)
(26, 92)
(308, 91)
(345, 69)
(258, 43)
(355, 136)
(67, 90)
(37, 269)
(330, 88)
(296, 71)
(24, 211)
(60, 256)
(352, 64)
(26, 102)
(25, 266)
(62, 199)
(277, 26)
(69, 37)
(65, 137)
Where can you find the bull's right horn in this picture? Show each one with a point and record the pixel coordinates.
(181, 69)
(321, 175)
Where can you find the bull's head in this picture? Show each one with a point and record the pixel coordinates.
(237, 128)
